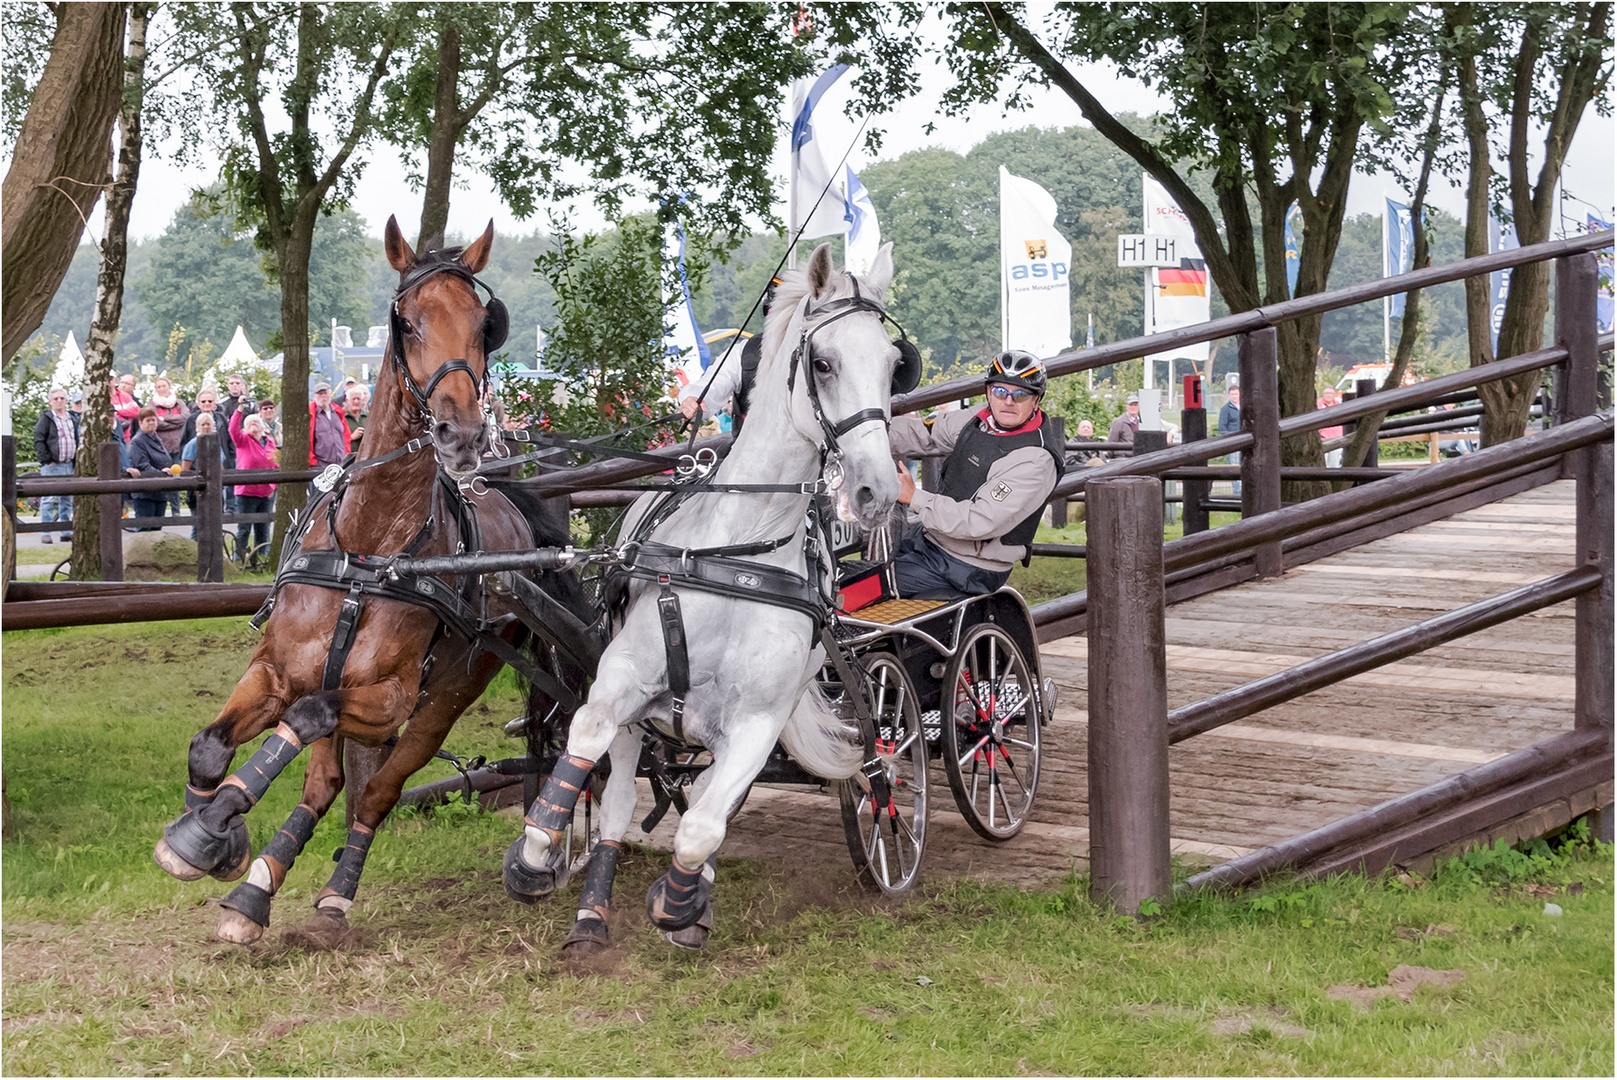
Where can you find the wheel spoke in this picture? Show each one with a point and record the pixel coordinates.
(971, 753)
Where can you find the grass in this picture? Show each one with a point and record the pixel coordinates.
(110, 967)
(1048, 577)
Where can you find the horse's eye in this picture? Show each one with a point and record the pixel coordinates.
(406, 325)
(822, 365)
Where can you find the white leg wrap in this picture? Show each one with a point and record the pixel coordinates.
(259, 875)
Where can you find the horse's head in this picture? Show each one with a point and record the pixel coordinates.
(843, 372)
(440, 337)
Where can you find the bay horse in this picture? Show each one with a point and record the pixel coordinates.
(821, 405)
(346, 654)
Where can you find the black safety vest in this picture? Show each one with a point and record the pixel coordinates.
(751, 353)
(975, 452)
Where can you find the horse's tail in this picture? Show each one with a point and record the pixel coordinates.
(822, 741)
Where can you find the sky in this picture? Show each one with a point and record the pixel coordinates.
(382, 189)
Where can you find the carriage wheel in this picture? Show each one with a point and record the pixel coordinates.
(887, 846)
(991, 749)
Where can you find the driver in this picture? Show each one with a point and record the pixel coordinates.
(1004, 460)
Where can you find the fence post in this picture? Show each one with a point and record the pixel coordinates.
(1193, 427)
(210, 511)
(1578, 379)
(359, 764)
(1260, 414)
(1058, 507)
(1593, 649)
(1128, 694)
(8, 497)
(1372, 453)
(111, 511)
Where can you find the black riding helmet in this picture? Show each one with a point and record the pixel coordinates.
(1017, 367)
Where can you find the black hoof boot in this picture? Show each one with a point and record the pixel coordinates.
(676, 900)
(528, 885)
(247, 914)
(189, 850)
(589, 937)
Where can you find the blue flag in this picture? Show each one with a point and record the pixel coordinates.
(1400, 252)
(1294, 246)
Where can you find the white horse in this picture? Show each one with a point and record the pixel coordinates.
(752, 665)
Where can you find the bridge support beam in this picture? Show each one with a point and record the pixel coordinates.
(1593, 646)
(1128, 695)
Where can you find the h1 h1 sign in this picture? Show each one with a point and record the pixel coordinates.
(1147, 249)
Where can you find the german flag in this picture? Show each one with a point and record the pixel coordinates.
(1189, 280)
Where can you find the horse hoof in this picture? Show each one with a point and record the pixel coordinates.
(528, 885)
(693, 937)
(238, 929)
(588, 938)
(173, 865)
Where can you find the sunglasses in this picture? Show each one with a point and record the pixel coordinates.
(1006, 393)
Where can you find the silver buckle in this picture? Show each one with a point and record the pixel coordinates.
(328, 478)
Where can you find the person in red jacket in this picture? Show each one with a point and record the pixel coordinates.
(329, 441)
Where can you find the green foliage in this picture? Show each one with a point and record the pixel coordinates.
(26, 33)
(1535, 859)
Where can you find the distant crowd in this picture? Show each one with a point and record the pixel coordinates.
(159, 436)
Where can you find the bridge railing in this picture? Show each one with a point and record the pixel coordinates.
(1133, 573)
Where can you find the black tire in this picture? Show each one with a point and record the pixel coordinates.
(990, 727)
(888, 854)
(60, 570)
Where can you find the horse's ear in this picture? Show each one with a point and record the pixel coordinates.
(475, 257)
(820, 270)
(399, 254)
(881, 271)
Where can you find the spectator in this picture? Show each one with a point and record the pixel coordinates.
(172, 414)
(328, 434)
(236, 388)
(125, 414)
(1081, 457)
(207, 402)
(254, 450)
(1229, 423)
(76, 407)
(56, 440)
(357, 411)
(1124, 427)
(205, 425)
(272, 425)
(148, 457)
(1328, 397)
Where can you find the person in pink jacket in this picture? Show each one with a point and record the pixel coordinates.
(254, 450)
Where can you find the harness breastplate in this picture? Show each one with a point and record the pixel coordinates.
(975, 452)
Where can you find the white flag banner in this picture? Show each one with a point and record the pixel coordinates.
(815, 199)
(687, 353)
(1034, 269)
(1178, 296)
(864, 235)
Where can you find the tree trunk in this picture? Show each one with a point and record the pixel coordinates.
(109, 302)
(294, 272)
(447, 125)
(1506, 402)
(59, 166)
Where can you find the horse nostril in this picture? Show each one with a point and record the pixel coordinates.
(442, 430)
(863, 497)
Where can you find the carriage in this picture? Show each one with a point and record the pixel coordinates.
(384, 626)
(973, 660)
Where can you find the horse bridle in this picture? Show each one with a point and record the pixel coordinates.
(496, 324)
(804, 355)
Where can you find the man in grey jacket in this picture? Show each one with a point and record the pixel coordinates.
(1004, 460)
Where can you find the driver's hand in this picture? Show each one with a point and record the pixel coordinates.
(906, 484)
(689, 408)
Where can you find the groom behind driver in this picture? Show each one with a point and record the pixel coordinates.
(1004, 460)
